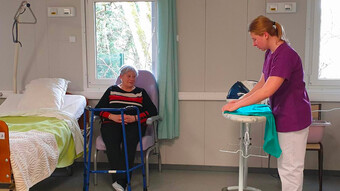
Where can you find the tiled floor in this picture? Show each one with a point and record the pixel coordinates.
(181, 180)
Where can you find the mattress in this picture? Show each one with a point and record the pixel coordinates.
(73, 105)
(43, 139)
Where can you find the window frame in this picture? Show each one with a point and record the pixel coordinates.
(91, 81)
(319, 90)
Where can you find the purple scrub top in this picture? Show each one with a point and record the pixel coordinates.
(290, 103)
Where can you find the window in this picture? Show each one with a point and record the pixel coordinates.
(329, 59)
(322, 54)
(325, 57)
(118, 33)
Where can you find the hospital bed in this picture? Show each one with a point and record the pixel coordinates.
(33, 143)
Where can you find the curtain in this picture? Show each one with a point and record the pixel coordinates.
(167, 70)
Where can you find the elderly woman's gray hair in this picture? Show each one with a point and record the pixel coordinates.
(127, 68)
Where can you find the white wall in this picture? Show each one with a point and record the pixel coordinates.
(46, 50)
(215, 51)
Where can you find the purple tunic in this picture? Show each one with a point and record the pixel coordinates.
(290, 103)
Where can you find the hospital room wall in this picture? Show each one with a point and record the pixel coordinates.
(214, 52)
(46, 50)
(212, 56)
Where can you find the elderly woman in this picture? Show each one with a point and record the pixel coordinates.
(120, 96)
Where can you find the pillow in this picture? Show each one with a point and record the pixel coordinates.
(44, 93)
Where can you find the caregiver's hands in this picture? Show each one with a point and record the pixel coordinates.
(231, 106)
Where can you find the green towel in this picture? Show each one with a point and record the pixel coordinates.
(271, 142)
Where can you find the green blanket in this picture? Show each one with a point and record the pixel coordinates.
(271, 142)
(52, 125)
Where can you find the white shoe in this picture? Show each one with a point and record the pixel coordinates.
(117, 187)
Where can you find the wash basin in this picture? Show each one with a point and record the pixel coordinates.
(316, 131)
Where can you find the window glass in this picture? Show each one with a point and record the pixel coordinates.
(119, 33)
(329, 59)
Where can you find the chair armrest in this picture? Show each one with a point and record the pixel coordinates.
(95, 118)
(152, 119)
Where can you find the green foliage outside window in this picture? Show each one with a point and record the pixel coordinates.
(123, 36)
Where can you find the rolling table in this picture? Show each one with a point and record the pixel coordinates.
(243, 151)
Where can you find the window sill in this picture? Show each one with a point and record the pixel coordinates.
(320, 95)
(323, 94)
(202, 96)
(90, 94)
(182, 96)
(5, 93)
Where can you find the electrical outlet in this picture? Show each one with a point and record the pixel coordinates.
(282, 7)
(61, 11)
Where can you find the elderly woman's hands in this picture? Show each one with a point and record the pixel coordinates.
(115, 118)
(127, 118)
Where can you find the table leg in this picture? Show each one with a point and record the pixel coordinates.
(243, 161)
(246, 141)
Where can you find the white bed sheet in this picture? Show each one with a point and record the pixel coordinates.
(73, 105)
(71, 111)
(27, 174)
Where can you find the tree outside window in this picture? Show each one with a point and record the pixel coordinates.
(123, 35)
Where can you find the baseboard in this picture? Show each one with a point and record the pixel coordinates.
(221, 169)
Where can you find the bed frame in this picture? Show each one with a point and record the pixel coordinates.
(5, 165)
(7, 182)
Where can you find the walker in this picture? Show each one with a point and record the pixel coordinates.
(87, 156)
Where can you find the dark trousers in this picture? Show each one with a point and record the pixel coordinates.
(112, 134)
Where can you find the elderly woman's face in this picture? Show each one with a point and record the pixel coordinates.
(128, 79)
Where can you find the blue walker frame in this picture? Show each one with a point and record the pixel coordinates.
(87, 155)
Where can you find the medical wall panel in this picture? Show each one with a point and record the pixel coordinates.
(191, 45)
(188, 149)
(32, 59)
(6, 46)
(35, 45)
(65, 57)
(294, 26)
(330, 139)
(219, 133)
(226, 32)
(255, 56)
(222, 133)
